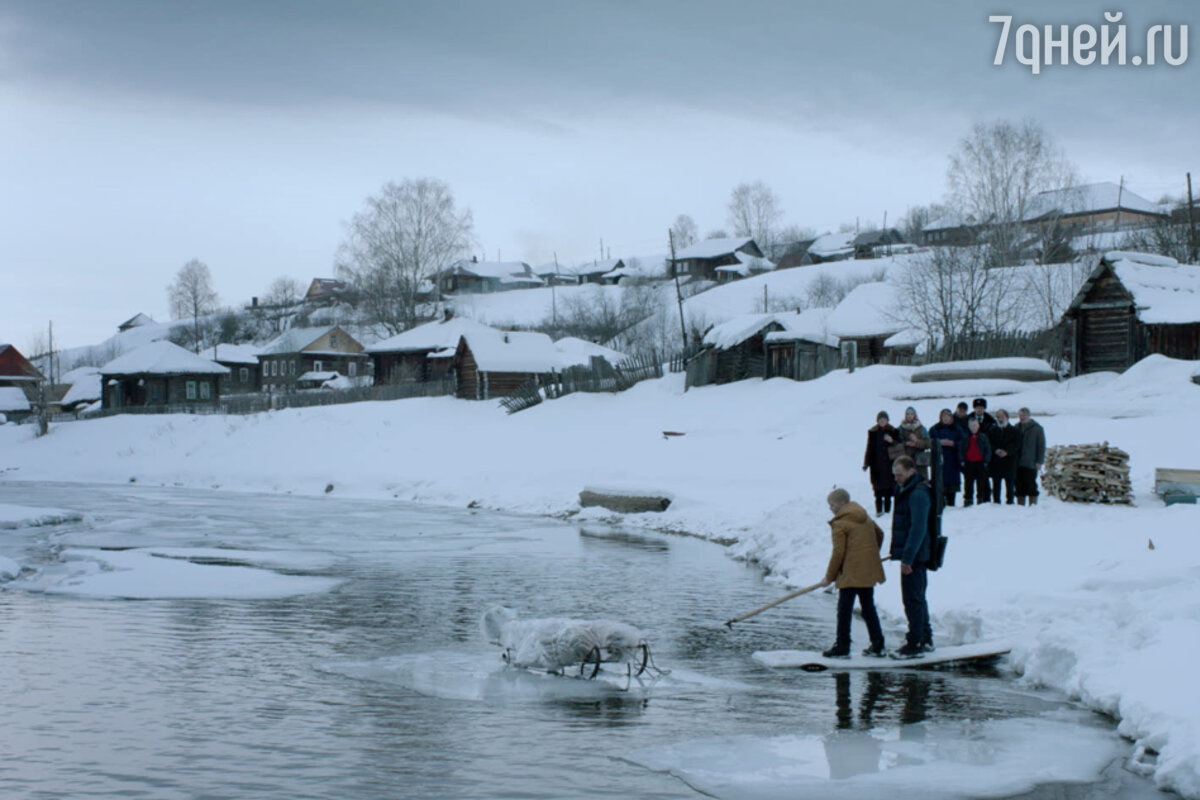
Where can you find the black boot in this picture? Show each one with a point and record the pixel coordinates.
(837, 651)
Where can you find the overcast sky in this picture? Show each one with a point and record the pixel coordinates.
(135, 136)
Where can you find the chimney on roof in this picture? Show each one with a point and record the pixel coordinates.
(474, 259)
(253, 302)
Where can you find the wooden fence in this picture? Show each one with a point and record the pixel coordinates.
(257, 403)
(599, 376)
(1053, 346)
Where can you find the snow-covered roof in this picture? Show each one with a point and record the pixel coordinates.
(503, 271)
(162, 358)
(1088, 198)
(597, 267)
(832, 244)
(863, 312)
(236, 354)
(79, 373)
(514, 352)
(575, 351)
(748, 265)
(711, 248)
(13, 399)
(809, 326)
(293, 340)
(954, 219)
(85, 388)
(137, 320)
(312, 376)
(654, 266)
(438, 335)
(1165, 292)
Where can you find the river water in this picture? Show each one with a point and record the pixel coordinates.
(317, 647)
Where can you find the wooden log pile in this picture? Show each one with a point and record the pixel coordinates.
(1088, 473)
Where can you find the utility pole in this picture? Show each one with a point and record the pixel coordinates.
(601, 248)
(678, 294)
(1193, 240)
(554, 280)
(50, 357)
(1120, 193)
(766, 308)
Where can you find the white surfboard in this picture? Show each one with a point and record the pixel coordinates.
(813, 661)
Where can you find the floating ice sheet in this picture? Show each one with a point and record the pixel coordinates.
(12, 516)
(160, 573)
(990, 758)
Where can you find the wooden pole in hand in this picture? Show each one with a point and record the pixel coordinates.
(773, 603)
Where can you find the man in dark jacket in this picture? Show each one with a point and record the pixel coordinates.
(1006, 444)
(974, 455)
(1031, 457)
(979, 412)
(910, 546)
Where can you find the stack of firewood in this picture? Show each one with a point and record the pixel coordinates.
(1088, 473)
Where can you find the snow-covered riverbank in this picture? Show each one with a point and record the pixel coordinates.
(1091, 608)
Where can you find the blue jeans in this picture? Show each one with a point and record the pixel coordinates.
(912, 592)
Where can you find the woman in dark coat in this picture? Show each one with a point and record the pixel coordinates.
(948, 434)
(880, 438)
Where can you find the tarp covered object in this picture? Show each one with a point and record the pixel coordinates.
(556, 642)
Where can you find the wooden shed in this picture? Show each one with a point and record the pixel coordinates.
(1131, 306)
(494, 364)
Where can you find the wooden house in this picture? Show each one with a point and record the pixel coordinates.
(804, 349)
(701, 260)
(17, 372)
(595, 271)
(953, 230)
(84, 387)
(788, 344)
(136, 321)
(424, 353)
(866, 318)
(1093, 206)
(477, 277)
(493, 364)
(300, 350)
(161, 374)
(324, 289)
(873, 244)
(831, 247)
(245, 377)
(1131, 306)
(554, 274)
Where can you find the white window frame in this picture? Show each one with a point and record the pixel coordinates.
(205, 390)
(352, 368)
(244, 374)
(317, 365)
(189, 390)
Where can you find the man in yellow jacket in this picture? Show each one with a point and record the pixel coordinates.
(856, 567)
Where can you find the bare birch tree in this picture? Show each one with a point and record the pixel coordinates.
(191, 295)
(283, 291)
(685, 232)
(755, 210)
(406, 234)
(995, 174)
(950, 294)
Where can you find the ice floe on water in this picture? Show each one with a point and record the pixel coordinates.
(951, 759)
(14, 516)
(482, 676)
(173, 572)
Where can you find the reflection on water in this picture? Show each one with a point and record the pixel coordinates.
(383, 687)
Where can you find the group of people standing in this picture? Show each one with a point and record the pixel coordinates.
(986, 456)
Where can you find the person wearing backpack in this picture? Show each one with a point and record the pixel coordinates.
(856, 567)
(911, 547)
